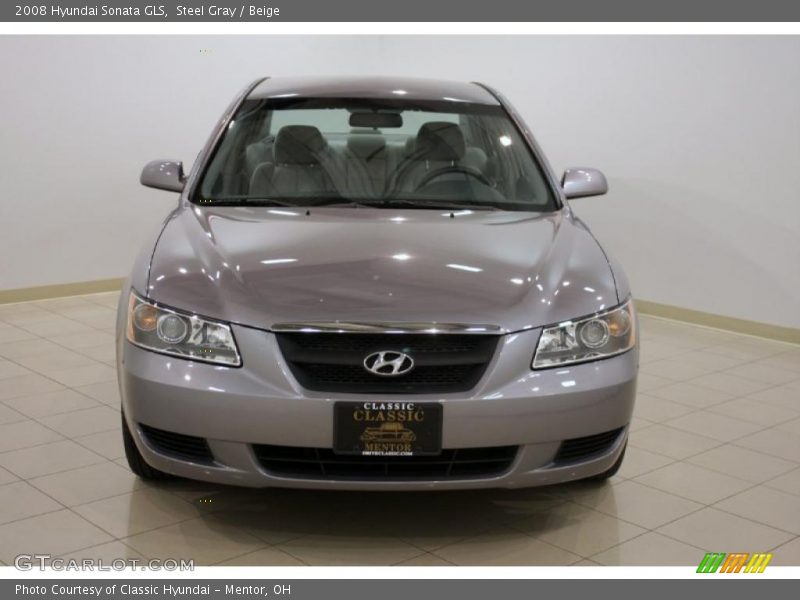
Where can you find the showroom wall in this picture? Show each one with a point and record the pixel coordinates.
(699, 137)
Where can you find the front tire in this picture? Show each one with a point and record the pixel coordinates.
(135, 459)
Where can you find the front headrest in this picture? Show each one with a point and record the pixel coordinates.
(366, 146)
(439, 140)
(298, 145)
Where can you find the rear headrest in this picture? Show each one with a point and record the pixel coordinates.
(475, 158)
(298, 145)
(365, 146)
(439, 140)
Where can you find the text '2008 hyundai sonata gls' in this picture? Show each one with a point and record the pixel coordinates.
(375, 284)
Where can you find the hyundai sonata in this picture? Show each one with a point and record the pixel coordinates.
(375, 283)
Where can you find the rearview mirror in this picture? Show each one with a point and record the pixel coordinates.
(163, 175)
(580, 182)
(373, 120)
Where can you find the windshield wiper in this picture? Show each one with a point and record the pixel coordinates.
(240, 200)
(438, 204)
(270, 201)
(344, 203)
(430, 204)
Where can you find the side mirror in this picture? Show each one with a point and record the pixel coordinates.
(163, 175)
(580, 182)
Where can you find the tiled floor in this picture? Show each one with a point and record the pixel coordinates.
(713, 464)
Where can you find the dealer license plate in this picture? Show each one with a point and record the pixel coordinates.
(387, 428)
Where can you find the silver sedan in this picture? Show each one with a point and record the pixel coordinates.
(375, 283)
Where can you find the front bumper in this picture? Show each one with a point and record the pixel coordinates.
(261, 403)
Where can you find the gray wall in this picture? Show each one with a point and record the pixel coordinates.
(699, 136)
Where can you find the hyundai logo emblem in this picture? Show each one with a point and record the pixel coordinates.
(388, 363)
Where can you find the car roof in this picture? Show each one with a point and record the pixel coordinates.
(396, 88)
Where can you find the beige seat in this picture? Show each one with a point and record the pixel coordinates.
(300, 154)
(366, 162)
(438, 144)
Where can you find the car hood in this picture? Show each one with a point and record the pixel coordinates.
(262, 266)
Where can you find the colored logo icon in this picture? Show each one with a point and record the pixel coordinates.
(737, 562)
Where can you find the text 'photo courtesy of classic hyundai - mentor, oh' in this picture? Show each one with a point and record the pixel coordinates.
(375, 284)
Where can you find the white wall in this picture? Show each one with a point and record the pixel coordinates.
(699, 137)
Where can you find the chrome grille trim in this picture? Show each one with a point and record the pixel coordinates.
(384, 327)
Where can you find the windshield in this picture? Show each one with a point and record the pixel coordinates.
(307, 152)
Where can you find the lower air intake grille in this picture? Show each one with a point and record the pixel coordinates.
(177, 445)
(578, 449)
(319, 463)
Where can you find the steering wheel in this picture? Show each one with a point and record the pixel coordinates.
(463, 169)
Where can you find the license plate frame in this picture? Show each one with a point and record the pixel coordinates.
(387, 429)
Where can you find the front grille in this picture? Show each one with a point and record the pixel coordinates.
(334, 362)
(177, 445)
(583, 448)
(320, 463)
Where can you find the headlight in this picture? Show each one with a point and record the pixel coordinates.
(180, 334)
(599, 336)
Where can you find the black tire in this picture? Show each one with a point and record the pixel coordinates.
(135, 459)
(605, 475)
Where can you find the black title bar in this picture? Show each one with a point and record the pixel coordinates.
(399, 10)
